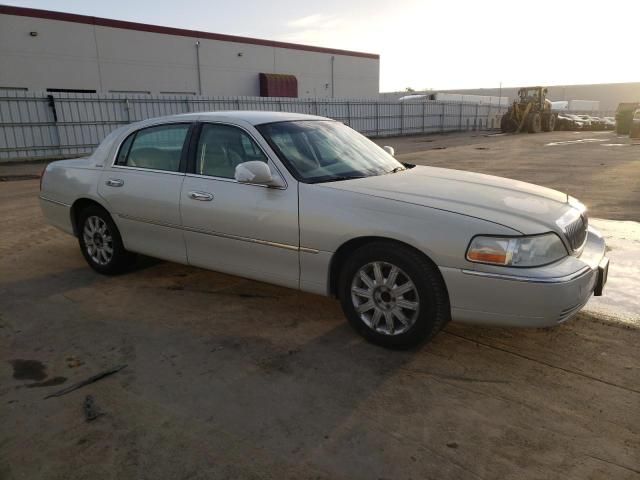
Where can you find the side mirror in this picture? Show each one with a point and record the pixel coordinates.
(257, 172)
(389, 150)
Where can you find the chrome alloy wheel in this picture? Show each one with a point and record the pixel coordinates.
(385, 298)
(98, 240)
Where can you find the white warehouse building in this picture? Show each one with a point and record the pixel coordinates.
(41, 50)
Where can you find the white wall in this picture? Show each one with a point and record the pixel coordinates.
(79, 56)
(62, 54)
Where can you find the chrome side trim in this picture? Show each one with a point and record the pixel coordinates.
(142, 169)
(567, 313)
(222, 235)
(54, 201)
(517, 278)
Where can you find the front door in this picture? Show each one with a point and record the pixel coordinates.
(240, 229)
(142, 189)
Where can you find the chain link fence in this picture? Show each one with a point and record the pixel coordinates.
(58, 125)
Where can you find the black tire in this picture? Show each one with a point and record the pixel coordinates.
(549, 122)
(507, 124)
(534, 123)
(433, 311)
(120, 259)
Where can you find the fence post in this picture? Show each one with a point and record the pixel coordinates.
(377, 119)
(52, 104)
(127, 108)
(475, 121)
(442, 117)
(460, 117)
(349, 112)
(424, 114)
(401, 118)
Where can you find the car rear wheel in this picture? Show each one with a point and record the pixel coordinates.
(393, 296)
(100, 242)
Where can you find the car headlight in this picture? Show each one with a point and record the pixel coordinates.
(525, 251)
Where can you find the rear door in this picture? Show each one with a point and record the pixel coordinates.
(143, 186)
(241, 229)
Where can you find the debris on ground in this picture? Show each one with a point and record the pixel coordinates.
(28, 369)
(73, 362)
(91, 412)
(88, 381)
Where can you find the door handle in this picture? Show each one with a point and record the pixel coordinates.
(114, 182)
(202, 196)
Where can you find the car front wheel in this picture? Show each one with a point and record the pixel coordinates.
(393, 295)
(100, 242)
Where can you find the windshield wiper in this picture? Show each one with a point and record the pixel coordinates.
(397, 169)
(338, 178)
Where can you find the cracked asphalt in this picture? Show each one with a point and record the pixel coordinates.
(230, 378)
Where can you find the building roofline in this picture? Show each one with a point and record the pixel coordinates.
(144, 27)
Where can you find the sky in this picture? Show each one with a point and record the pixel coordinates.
(424, 44)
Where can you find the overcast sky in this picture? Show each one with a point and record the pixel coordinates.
(422, 44)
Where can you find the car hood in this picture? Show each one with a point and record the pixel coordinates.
(527, 208)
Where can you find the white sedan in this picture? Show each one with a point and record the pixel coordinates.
(308, 203)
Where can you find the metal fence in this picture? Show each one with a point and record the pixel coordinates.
(41, 125)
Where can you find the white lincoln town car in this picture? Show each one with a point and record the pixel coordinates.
(308, 203)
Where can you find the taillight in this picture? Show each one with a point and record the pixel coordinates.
(42, 176)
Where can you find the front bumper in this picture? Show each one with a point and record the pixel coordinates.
(531, 297)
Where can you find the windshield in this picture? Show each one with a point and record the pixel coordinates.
(530, 93)
(325, 150)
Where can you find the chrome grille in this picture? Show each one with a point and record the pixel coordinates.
(576, 231)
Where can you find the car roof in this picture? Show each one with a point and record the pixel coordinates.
(253, 117)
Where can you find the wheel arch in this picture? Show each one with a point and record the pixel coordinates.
(342, 253)
(78, 206)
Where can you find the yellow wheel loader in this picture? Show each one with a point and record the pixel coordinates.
(531, 112)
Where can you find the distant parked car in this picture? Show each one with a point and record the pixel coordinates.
(597, 123)
(585, 119)
(572, 122)
(567, 122)
(634, 132)
(308, 203)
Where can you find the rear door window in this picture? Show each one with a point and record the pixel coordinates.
(155, 148)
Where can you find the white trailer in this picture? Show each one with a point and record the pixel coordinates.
(457, 97)
(560, 105)
(479, 99)
(584, 105)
